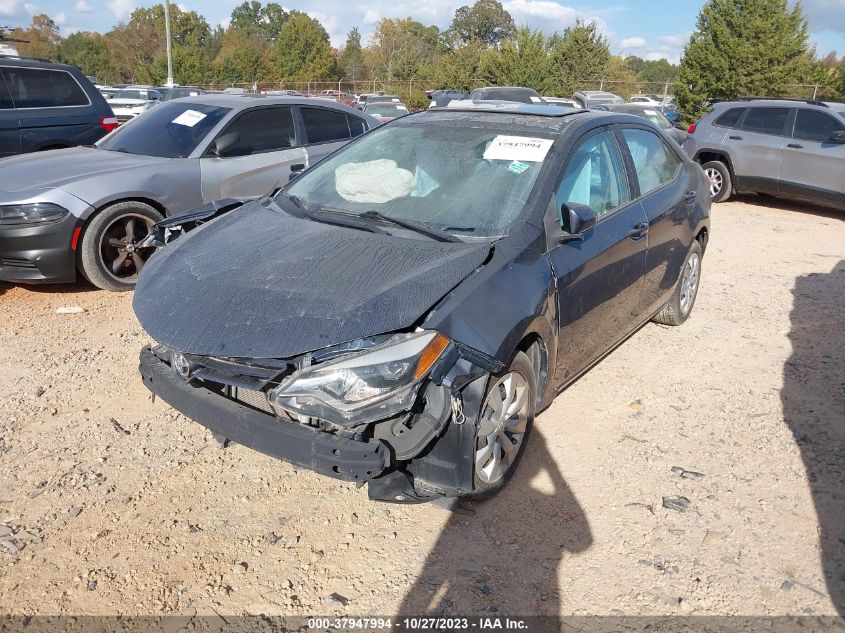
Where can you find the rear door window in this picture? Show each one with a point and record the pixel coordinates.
(262, 130)
(40, 88)
(730, 118)
(655, 163)
(323, 125)
(765, 120)
(356, 126)
(812, 125)
(5, 97)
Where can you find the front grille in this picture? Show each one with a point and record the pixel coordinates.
(236, 372)
(251, 398)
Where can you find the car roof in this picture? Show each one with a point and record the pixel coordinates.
(31, 62)
(753, 101)
(541, 118)
(241, 102)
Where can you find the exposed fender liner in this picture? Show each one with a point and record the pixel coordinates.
(485, 361)
(407, 441)
(174, 226)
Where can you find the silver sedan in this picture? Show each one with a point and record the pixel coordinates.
(87, 209)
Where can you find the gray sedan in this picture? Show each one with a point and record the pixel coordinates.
(87, 209)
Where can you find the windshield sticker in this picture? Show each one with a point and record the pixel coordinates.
(517, 167)
(189, 118)
(536, 100)
(518, 148)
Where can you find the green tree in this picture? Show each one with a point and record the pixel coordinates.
(403, 49)
(660, 70)
(266, 20)
(91, 53)
(351, 59)
(303, 51)
(522, 61)
(580, 53)
(486, 22)
(461, 67)
(245, 56)
(742, 48)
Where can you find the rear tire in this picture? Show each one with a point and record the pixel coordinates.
(108, 256)
(718, 180)
(679, 307)
(501, 438)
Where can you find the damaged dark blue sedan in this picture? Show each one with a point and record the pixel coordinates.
(399, 313)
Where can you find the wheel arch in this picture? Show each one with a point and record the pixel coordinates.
(102, 206)
(537, 350)
(706, 155)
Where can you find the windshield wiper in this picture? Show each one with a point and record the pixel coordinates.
(435, 234)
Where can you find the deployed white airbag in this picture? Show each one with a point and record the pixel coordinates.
(375, 181)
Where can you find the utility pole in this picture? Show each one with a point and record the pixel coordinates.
(169, 83)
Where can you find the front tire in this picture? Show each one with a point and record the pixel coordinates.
(718, 180)
(507, 416)
(679, 307)
(109, 256)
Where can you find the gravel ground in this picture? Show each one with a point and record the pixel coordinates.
(696, 470)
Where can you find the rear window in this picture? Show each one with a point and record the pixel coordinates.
(765, 120)
(41, 88)
(730, 118)
(323, 126)
(519, 96)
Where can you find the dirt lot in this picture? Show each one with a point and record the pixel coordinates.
(110, 503)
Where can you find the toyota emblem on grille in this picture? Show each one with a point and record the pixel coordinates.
(181, 364)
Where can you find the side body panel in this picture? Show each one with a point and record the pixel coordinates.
(247, 176)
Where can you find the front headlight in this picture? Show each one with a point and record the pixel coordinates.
(363, 387)
(33, 213)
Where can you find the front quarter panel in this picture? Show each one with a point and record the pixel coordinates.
(172, 184)
(508, 298)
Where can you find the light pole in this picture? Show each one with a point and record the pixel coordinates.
(169, 83)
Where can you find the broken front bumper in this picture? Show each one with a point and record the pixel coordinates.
(324, 453)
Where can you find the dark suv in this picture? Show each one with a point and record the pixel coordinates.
(47, 106)
(781, 147)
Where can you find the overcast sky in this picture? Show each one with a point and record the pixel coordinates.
(650, 29)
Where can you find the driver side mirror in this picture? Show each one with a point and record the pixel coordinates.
(223, 144)
(575, 220)
(838, 137)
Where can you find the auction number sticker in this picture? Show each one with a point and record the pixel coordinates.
(518, 148)
(189, 118)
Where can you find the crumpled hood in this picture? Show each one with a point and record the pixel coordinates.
(59, 167)
(260, 283)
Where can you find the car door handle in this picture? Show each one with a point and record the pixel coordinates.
(690, 197)
(639, 231)
(795, 146)
(735, 138)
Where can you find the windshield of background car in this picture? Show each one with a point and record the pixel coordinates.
(457, 179)
(170, 130)
(386, 110)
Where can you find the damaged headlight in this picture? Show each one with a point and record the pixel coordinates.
(362, 387)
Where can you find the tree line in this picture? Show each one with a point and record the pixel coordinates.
(739, 48)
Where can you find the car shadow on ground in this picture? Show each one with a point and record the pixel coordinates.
(71, 288)
(785, 204)
(813, 399)
(505, 559)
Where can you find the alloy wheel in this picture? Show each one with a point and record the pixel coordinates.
(502, 429)
(716, 181)
(689, 282)
(120, 252)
